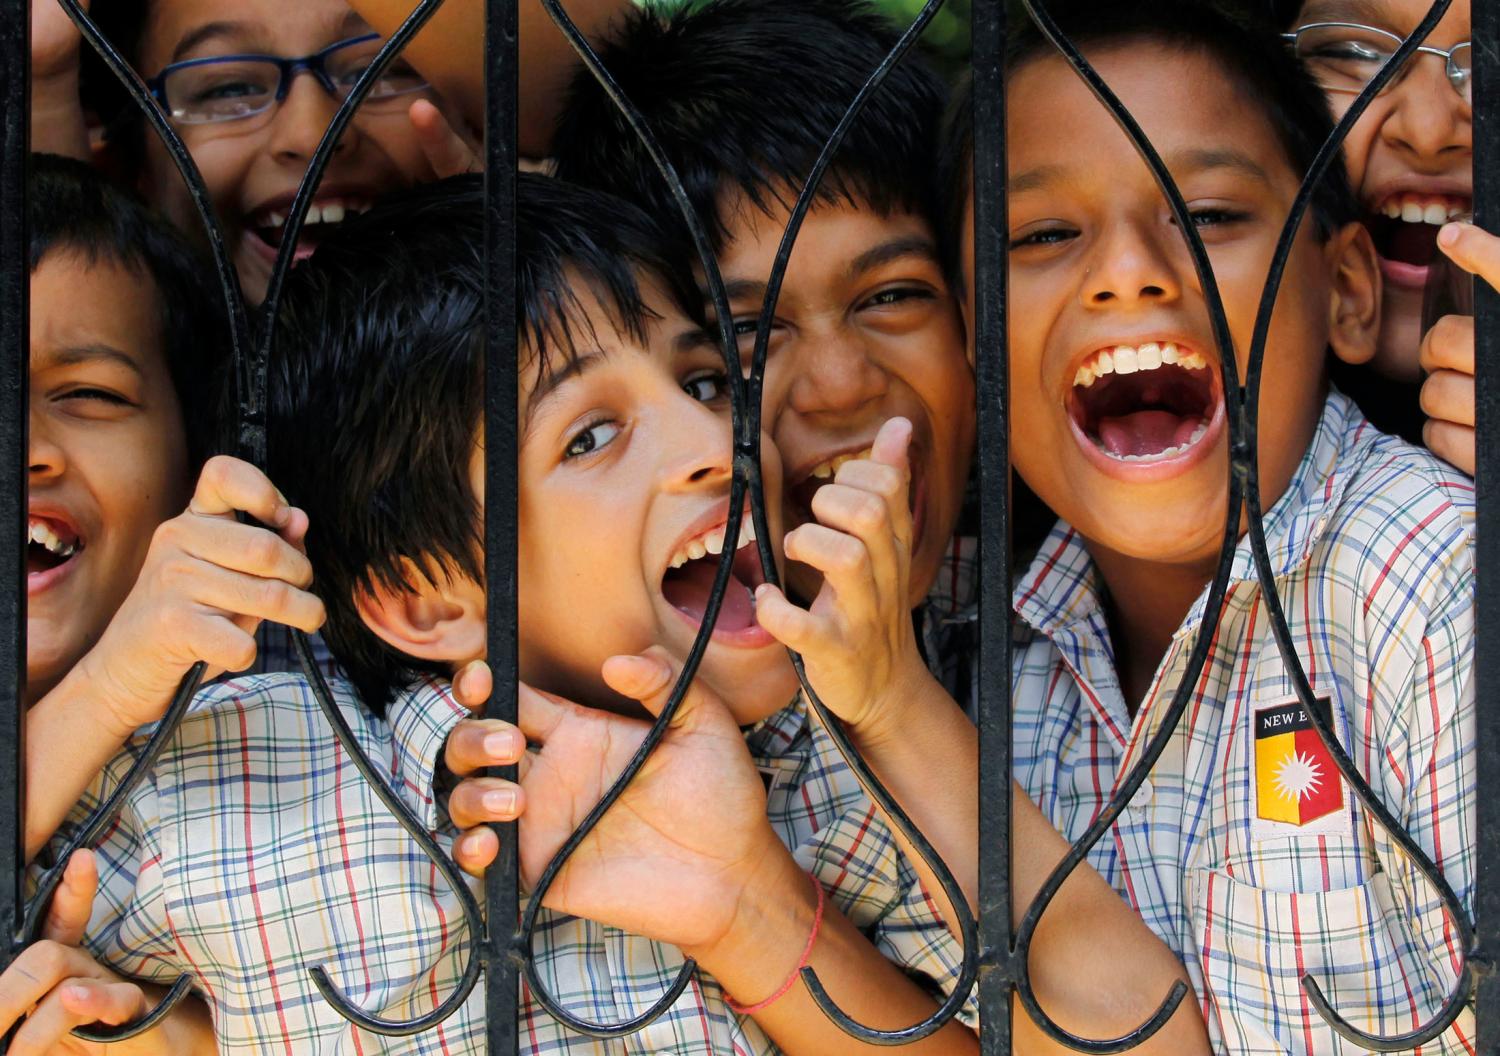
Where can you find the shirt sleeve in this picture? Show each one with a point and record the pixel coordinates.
(129, 930)
(870, 880)
(1431, 752)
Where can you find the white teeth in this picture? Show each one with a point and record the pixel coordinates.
(38, 532)
(1393, 209)
(1124, 359)
(333, 214)
(275, 219)
(1436, 214)
(712, 543)
(1454, 210)
(827, 470)
(1412, 213)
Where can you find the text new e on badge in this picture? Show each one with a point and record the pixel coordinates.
(1296, 781)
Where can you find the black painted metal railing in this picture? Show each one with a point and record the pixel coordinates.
(995, 952)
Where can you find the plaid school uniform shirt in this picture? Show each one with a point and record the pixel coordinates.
(255, 851)
(1246, 851)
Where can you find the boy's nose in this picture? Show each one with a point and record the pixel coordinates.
(45, 459)
(1129, 269)
(698, 450)
(1428, 122)
(835, 376)
(304, 115)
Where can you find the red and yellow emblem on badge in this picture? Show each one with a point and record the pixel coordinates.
(1296, 781)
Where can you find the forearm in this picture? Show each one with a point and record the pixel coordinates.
(449, 52)
(764, 950)
(1081, 944)
(927, 756)
(70, 736)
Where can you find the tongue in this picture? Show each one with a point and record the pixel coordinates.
(1145, 432)
(688, 589)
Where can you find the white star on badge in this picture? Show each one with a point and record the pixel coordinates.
(1298, 777)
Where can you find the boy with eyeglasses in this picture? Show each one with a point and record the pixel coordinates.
(1410, 159)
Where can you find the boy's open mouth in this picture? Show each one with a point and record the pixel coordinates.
(1404, 228)
(268, 224)
(689, 580)
(50, 544)
(800, 495)
(1144, 403)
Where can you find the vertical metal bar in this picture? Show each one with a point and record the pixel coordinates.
(15, 98)
(1486, 32)
(503, 963)
(992, 363)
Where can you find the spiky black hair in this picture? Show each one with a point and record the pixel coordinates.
(743, 94)
(377, 382)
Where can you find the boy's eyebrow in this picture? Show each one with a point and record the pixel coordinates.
(74, 355)
(576, 366)
(1206, 159)
(1361, 11)
(895, 249)
(869, 260)
(209, 31)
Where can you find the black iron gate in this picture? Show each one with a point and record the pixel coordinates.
(995, 952)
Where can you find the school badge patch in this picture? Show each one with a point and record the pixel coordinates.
(1296, 781)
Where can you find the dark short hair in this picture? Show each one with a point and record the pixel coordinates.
(1246, 47)
(72, 207)
(744, 94)
(377, 379)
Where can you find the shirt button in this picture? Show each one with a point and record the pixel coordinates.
(1142, 795)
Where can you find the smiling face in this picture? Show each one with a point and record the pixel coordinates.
(252, 166)
(107, 461)
(625, 469)
(1117, 410)
(865, 329)
(1410, 158)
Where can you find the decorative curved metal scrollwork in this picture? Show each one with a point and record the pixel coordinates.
(1242, 407)
(250, 364)
(250, 374)
(746, 424)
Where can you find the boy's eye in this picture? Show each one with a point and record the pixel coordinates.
(897, 295)
(706, 387)
(1049, 236)
(99, 395)
(1212, 217)
(591, 439)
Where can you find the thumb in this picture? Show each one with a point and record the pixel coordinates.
(1473, 249)
(892, 442)
(650, 678)
(446, 151)
(73, 903)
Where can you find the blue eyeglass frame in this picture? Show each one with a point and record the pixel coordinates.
(315, 64)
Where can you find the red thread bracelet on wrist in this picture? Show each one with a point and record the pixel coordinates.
(791, 980)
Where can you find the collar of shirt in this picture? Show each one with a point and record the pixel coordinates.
(1062, 587)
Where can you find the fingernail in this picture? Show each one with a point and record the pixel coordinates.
(500, 801)
(1450, 234)
(501, 745)
(76, 993)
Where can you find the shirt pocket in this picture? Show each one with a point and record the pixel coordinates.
(1254, 945)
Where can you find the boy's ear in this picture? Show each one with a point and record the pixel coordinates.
(443, 622)
(1354, 294)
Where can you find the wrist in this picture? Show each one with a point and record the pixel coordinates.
(94, 686)
(773, 915)
(891, 713)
